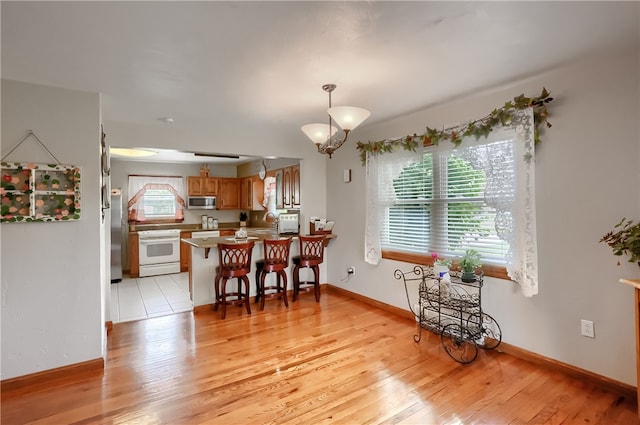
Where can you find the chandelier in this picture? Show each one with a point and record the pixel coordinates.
(347, 117)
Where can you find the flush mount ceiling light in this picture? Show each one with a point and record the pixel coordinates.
(347, 117)
(132, 152)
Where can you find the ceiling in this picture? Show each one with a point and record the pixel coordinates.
(240, 66)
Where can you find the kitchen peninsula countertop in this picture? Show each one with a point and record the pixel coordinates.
(255, 235)
(203, 260)
(133, 228)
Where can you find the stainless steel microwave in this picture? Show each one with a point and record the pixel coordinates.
(201, 202)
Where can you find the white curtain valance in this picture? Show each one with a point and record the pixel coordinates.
(138, 185)
(511, 191)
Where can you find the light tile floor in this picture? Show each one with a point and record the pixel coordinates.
(143, 297)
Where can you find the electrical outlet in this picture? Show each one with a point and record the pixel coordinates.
(351, 270)
(587, 328)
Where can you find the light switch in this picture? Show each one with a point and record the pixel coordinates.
(346, 176)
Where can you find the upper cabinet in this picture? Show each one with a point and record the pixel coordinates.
(247, 193)
(278, 174)
(202, 186)
(229, 194)
(295, 187)
(251, 193)
(257, 193)
(288, 187)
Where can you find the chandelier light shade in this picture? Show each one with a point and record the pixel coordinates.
(319, 133)
(347, 117)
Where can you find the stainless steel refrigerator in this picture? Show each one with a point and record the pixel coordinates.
(116, 235)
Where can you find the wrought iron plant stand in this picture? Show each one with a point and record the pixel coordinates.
(453, 309)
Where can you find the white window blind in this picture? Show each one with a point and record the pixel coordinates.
(440, 207)
(480, 195)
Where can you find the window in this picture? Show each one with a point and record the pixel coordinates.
(159, 203)
(156, 199)
(440, 207)
(480, 195)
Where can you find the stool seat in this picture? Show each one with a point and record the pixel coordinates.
(308, 259)
(311, 256)
(234, 262)
(276, 260)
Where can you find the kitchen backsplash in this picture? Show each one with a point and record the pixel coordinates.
(223, 216)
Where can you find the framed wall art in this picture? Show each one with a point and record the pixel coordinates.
(39, 192)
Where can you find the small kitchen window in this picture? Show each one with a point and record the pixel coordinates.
(155, 199)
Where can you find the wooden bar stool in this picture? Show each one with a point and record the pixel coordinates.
(311, 256)
(276, 259)
(234, 262)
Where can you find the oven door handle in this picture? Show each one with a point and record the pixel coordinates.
(158, 240)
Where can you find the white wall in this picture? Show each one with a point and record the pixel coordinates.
(588, 178)
(52, 274)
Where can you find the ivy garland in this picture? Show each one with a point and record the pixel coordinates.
(478, 128)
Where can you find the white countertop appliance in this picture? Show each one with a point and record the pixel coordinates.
(288, 223)
(159, 252)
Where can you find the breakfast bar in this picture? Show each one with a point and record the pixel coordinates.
(204, 259)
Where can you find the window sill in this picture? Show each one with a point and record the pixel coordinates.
(426, 260)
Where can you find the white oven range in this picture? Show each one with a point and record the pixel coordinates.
(159, 252)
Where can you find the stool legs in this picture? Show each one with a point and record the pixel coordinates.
(258, 273)
(247, 285)
(281, 289)
(221, 293)
(316, 281)
(284, 286)
(296, 282)
(217, 289)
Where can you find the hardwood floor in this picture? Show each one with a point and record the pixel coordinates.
(339, 361)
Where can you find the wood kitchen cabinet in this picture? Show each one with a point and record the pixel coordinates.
(185, 252)
(279, 188)
(134, 255)
(290, 187)
(229, 194)
(295, 186)
(286, 187)
(246, 193)
(257, 193)
(202, 186)
(251, 193)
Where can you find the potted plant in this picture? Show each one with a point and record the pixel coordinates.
(468, 264)
(243, 219)
(625, 240)
(440, 265)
